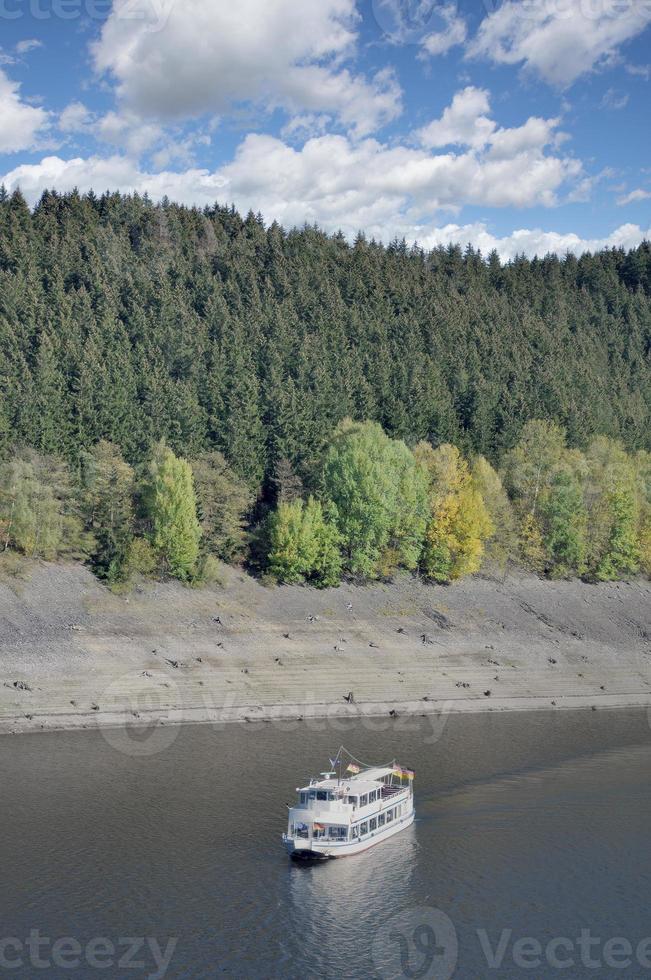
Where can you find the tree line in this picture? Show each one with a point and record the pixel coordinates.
(136, 322)
(370, 506)
(135, 336)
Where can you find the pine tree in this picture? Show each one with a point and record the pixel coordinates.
(107, 493)
(223, 502)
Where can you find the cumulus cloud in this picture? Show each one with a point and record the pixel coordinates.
(534, 241)
(75, 118)
(391, 195)
(453, 33)
(559, 39)
(463, 123)
(333, 180)
(19, 122)
(209, 57)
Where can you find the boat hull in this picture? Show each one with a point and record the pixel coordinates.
(318, 850)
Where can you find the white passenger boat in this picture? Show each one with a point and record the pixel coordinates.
(350, 808)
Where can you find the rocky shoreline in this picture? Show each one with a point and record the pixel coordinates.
(75, 656)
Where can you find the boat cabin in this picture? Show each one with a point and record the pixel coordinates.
(350, 808)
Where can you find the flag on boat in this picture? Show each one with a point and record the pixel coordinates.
(353, 768)
(319, 826)
(403, 773)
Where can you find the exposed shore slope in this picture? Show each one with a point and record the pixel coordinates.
(74, 655)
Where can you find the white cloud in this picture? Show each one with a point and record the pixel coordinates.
(208, 57)
(113, 173)
(636, 195)
(127, 131)
(639, 71)
(614, 100)
(19, 122)
(332, 180)
(75, 118)
(463, 123)
(385, 192)
(533, 241)
(454, 32)
(30, 44)
(559, 39)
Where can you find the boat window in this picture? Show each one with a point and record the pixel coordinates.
(363, 800)
(312, 794)
(381, 820)
(303, 798)
(389, 816)
(339, 833)
(363, 829)
(321, 794)
(353, 800)
(372, 824)
(355, 832)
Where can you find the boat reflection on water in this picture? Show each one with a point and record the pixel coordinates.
(340, 904)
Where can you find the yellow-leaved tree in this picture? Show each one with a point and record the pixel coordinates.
(459, 522)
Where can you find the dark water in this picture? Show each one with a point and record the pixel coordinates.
(531, 829)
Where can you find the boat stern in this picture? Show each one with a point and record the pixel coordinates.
(300, 849)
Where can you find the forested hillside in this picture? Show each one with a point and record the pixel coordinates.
(179, 386)
(131, 322)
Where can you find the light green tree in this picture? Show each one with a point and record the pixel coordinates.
(303, 544)
(380, 498)
(642, 464)
(565, 521)
(612, 500)
(503, 541)
(530, 466)
(38, 509)
(171, 509)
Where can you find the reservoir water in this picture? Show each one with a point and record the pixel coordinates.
(530, 855)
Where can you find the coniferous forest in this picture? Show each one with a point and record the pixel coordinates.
(178, 384)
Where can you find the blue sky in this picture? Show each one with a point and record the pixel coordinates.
(517, 125)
